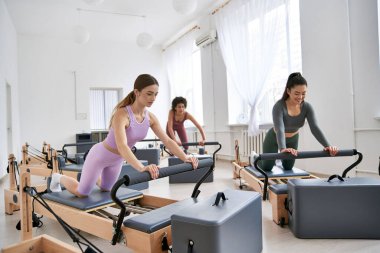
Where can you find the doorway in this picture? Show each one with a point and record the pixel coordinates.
(9, 118)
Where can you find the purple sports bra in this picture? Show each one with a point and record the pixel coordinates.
(135, 132)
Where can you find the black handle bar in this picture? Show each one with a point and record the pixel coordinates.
(144, 177)
(304, 155)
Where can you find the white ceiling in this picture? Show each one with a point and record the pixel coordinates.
(56, 18)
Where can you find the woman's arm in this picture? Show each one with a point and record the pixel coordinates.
(279, 127)
(200, 128)
(174, 148)
(317, 132)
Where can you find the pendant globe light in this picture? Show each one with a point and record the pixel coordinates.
(144, 39)
(81, 35)
(93, 2)
(185, 7)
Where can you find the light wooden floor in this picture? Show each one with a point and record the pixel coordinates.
(275, 238)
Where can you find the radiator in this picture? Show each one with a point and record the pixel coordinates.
(251, 143)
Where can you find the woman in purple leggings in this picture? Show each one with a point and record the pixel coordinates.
(176, 119)
(129, 124)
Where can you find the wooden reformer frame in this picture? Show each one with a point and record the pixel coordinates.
(91, 220)
(35, 167)
(258, 184)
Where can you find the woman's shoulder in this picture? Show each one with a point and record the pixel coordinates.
(280, 104)
(306, 106)
(121, 111)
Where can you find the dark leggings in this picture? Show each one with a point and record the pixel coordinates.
(181, 131)
(270, 146)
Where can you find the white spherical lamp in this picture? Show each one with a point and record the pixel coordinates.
(185, 7)
(144, 40)
(81, 35)
(93, 2)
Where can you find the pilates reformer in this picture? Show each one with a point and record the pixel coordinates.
(193, 176)
(86, 214)
(11, 195)
(32, 160)
(33, 156)
(278, 193)
(195, 144)
(43, 168)
(77, 158)
(259, 179)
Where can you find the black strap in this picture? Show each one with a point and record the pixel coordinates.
(335, 176)
(190, 246)
(219, 196)
(289, 205)
(164, 243)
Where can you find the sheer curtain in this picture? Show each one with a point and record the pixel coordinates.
(178, 63)
(247, 33)
(182, 63)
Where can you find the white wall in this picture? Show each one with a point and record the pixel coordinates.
(340, 62)
(46, 82)
(366, 78)
(326, 62)
(8, 75)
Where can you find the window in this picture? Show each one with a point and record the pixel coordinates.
(289, 45)
(102, 103)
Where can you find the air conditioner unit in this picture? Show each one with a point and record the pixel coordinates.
(206, 39)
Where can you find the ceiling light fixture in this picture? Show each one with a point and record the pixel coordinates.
(143, 40)
(185, 7)
(94, 2)
(81, 34)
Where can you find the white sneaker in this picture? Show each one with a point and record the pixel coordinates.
(55, 185)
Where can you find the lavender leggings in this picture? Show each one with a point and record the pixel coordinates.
(99, 162)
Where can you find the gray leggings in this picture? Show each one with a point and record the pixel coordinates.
(270, 146)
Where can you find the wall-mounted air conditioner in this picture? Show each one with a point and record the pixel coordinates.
(206, 39)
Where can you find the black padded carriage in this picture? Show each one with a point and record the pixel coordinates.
(96, 199)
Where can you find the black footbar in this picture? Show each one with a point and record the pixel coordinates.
(163, 172)
(304, 155)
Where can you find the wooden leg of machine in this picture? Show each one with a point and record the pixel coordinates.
(279, 212)
(26, 208)
(11, 201)
(146, 243)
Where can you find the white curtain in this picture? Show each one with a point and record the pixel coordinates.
(247, 34)
(178, 63)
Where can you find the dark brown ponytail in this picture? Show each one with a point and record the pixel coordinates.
(294, 79)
